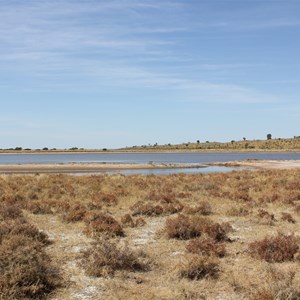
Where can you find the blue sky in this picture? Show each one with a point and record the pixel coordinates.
(105, 73)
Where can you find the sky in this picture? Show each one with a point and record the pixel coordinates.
(117, 73)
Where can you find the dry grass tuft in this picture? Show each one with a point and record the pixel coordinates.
(183, 228)
(238, 211)
(146, 209)
(26, 271)
(204, 208)
(22, 228)
(279, 286)
(198, 267)
(275, 249)
(8, 212)
(106, 257)
(287, 217)
(206, 246)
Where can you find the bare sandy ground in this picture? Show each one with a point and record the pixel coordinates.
(262, 164)
(87, 167)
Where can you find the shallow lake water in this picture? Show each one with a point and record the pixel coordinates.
(172, 158)
(180, 158)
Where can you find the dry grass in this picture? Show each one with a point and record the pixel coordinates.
(206, 246)
(26, 271)
(275, 249)
(106, 257)
(222, 226)
(198, 267)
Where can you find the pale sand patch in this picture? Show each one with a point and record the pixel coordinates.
(261, 164)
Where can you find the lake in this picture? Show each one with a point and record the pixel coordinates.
(174, 158)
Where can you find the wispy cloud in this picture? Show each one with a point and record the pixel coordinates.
(82, 44)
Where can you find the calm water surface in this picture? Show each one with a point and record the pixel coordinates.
(188, 158)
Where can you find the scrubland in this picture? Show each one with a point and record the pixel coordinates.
(281, 145)
(181, 236)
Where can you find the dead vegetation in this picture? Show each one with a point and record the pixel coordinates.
(106, 257)
(157, 237)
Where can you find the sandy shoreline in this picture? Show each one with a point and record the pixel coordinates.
(88, 167)
(261, 164)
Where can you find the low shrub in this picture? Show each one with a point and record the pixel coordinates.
(41, 207)
(26, 271)
(98, 223)
(287, 217)
(74, 213)
(199, 267)
(8, 212)
(146, 209)
(206, 246)
(127, 220)
(184, 228)
(22, 228)
(106, 257)
(275, 249)
(204, 208)
(106, 199)
(265, 217)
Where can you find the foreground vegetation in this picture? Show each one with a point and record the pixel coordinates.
(200, 236)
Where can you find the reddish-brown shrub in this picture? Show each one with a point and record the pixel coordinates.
(106, 199)
(127, 220)
(98, 223)
(26, 271)
(172, 207)
(106, 257)
(266, 217)
(275, 249)
(182, 228)
(206, 246)
(200, 267)
(40, 207)
(297, 209)
(75, 213)
(10, 212)
(146, 209)
(22, 228)
(287, 217)
(139, 222)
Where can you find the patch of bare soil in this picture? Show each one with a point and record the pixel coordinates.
(68, 242)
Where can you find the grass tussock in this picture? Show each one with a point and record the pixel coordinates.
(279, 285)
(206, 246)
(278, 248)
(198, 267)
(98, 224)
(106, 257)
(183, 228)
(26, 269)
